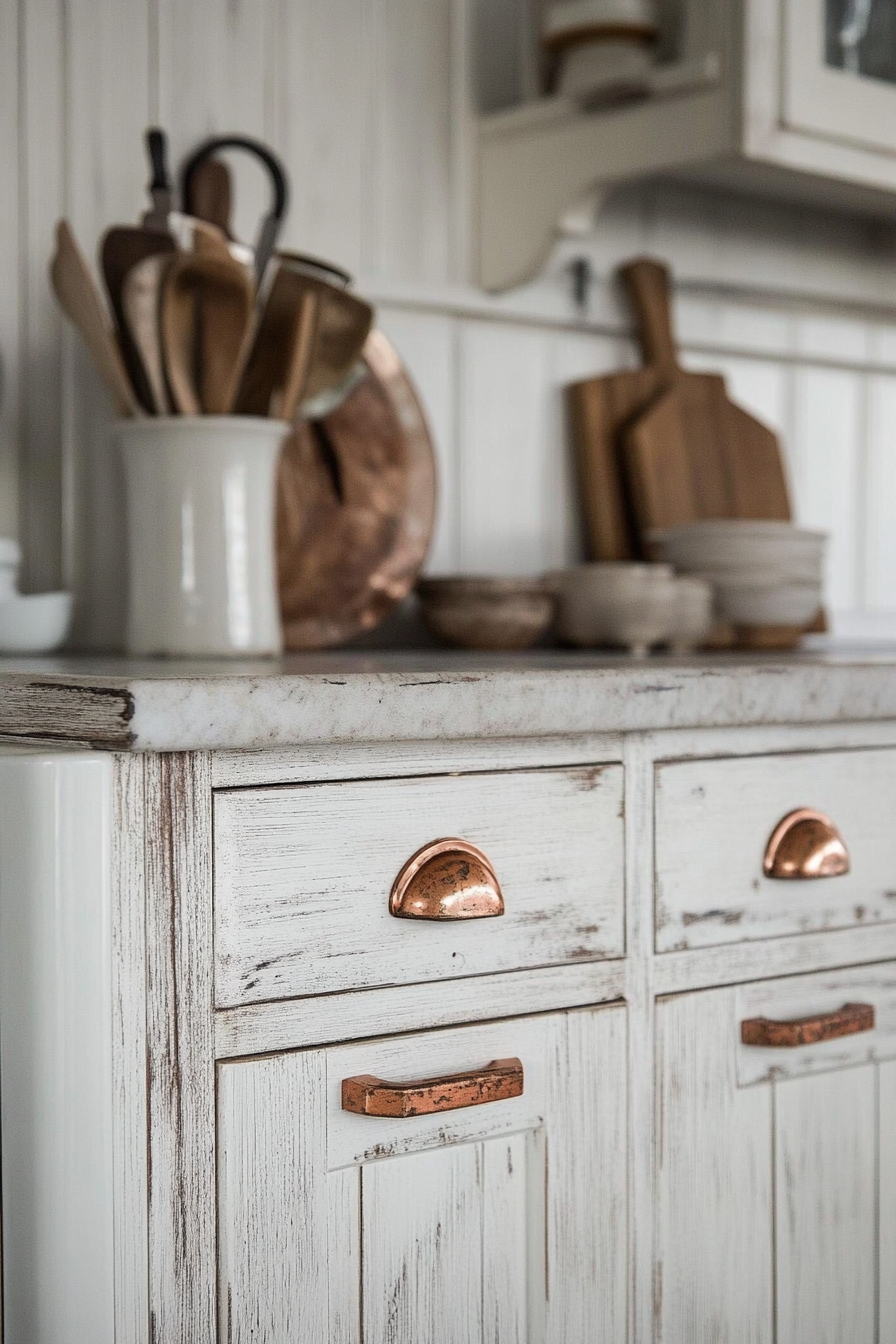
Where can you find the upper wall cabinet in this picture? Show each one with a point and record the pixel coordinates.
(793, 98)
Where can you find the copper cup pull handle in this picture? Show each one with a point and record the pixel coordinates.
(804, 846)
(849, 1020)
(447, 879)
(367, 1095)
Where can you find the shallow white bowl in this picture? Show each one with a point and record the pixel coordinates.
(745, 603)
(738, 544)
(34, 624)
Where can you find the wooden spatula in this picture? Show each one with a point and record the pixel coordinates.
(206, 316)
(141, 301)
(692, 453)
(77, 292)
(279, 361)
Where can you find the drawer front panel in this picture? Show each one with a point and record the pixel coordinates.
(303, 876)
(714, 820)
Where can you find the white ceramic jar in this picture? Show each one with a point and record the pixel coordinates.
(200, 507)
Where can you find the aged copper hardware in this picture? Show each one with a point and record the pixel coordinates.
(806, 845)
(367, 1095)
(849, 1020)
(447, 879)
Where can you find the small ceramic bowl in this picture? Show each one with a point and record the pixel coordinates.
(787, 604)
(37, 624)
(498, 614)
(632, 606)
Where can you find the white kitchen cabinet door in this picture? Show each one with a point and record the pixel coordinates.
(502, 1223)
(776, 1202)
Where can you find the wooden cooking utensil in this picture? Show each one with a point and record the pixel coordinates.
(343, 324)
(77, 292)
(209, 194)
(121, 250)
(206, 316)
(141, 305)
(278, 364)
(692, 453)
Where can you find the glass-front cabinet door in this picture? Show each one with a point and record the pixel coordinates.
(840, 70)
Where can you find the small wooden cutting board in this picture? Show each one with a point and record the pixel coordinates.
(659, 445)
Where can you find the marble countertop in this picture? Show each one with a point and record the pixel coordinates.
(126, 705)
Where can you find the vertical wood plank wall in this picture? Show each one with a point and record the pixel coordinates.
(368, 101)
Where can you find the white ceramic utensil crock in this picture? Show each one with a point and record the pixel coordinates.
(200, 507)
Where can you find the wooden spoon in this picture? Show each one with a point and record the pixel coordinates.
(120, 251)
(209, 194)
(279, 361)
(77, 292)
(141, 303)
(206, 316)
(343, 325)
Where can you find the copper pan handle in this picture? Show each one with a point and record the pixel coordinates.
(447, 879)
(849, 1020)
(367, 1095)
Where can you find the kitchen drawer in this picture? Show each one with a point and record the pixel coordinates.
(303, 876)
(714, 821)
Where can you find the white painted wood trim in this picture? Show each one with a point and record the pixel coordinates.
(181, 1069)
(265, 1028)
(129, 1052)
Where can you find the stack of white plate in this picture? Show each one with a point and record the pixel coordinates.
(763, 573)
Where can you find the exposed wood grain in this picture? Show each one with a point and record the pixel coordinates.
(355, 760)
(302, 878)
(129, 1052)
(713, 824)
(265, 1027)
(826, 1208)
(505, 1188)
(273, 1201)
(181, 1073)
(714, 1254)
(886, 1127)
(344, 1255)
(87, 715)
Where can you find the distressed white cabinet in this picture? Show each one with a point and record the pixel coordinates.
(776, 1203)
(504, 1222)
(792, 98)
(250, 1095)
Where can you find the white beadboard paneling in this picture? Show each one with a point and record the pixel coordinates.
(320, 62)
(505, 413)
(880, 496)
(886, 1128)
(11, 148)
(407, 209)
(708, 323)
(833, 338)
(107, 57)
(213, 77)
(427, 343)
(826, 1207)
(43, 110)
(824, 460)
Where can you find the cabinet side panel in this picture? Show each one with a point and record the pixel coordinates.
(587, 1174)
(55, 1048)
(825, 1207)
(422, 1247)
(713, 1276)
(272, 1187)
(506, 1186)
(887, 1202)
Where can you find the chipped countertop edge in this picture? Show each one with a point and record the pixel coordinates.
(115, 705)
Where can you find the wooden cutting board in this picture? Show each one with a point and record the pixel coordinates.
(692, 453)
(711, 458)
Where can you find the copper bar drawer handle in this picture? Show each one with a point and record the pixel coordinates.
(849, 1020)
(367, 1095)
(447, 879)
(804, 846)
